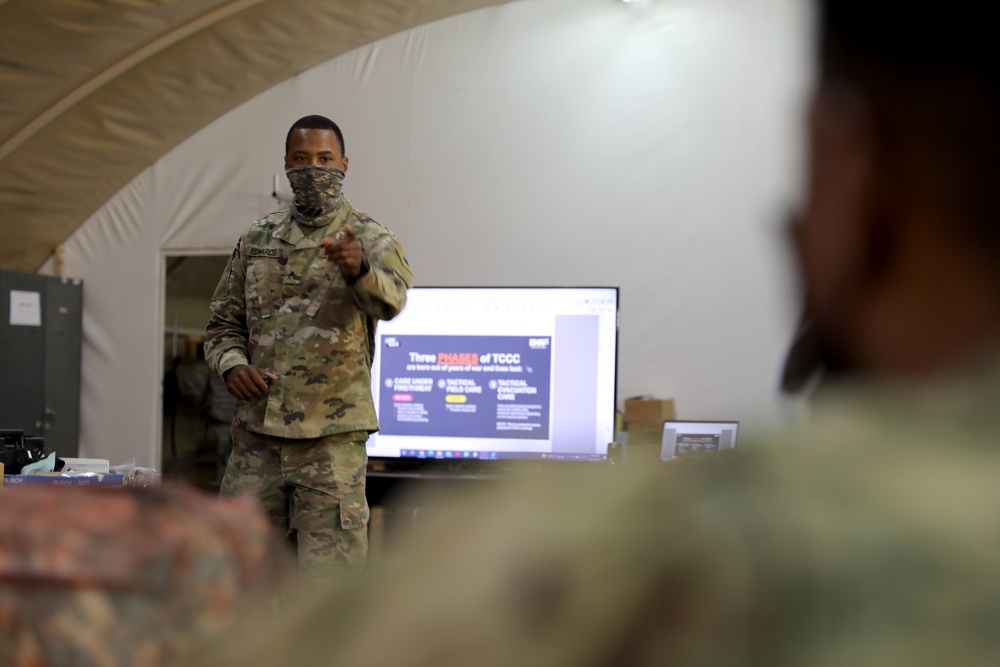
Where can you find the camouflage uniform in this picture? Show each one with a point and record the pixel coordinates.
(99, 577)
(284, 306)
(869, 539)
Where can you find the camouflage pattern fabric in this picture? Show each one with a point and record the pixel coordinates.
(93, 577)
(284, 306)
(868, 539)
(311, 489)
(318, 193)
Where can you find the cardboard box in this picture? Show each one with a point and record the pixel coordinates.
(644, 417)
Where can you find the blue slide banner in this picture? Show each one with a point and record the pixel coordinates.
(465, 386)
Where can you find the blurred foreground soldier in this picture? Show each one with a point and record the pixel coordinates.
(93, 577)
(292, 333)
(869, 539)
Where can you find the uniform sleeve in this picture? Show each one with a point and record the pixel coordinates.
(381, 293)
(227, 335)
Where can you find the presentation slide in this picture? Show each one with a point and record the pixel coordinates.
(497, 373)
(696, 443)
(465, 386)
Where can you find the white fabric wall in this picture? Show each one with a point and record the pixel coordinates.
(547, 142)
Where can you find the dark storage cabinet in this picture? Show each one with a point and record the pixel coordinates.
(41, 329)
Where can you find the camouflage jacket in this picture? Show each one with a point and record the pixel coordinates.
(284, 306)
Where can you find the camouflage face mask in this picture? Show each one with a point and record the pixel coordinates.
(316, 189)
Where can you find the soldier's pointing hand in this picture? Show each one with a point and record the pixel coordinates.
(345, 251)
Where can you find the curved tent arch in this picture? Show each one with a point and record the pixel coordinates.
(96, 92)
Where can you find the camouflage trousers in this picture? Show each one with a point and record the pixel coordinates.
(311, 489)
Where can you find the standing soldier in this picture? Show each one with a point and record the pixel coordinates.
(292, 334)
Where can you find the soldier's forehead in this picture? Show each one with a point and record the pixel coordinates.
(319, 140)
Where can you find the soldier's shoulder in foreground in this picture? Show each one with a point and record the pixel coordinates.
(864, 539)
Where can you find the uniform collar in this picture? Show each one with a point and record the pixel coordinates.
(291, 231)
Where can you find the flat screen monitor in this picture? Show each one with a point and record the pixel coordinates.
(696, 437)
(490, 373)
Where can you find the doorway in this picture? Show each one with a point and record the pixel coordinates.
(197, 408)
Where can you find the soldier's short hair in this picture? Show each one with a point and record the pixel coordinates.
(910, 36)
(930, 76)
(315, 122)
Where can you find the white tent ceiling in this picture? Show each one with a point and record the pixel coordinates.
(95, 91)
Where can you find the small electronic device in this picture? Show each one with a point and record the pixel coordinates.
(681, 438)
(11, 439)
